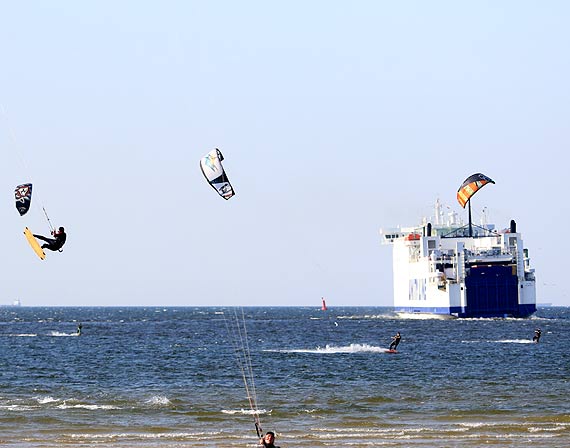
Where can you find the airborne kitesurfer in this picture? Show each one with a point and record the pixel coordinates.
(268, 439)
(55, 243)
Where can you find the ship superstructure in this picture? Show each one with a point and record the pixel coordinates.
(449, 269)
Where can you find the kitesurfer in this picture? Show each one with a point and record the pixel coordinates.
(537, 334)
(268, 439)
(395, 341)
(79, 327)
(55, 243)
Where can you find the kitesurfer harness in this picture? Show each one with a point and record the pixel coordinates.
(51, 227)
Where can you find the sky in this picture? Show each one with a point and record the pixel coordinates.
(335, 119)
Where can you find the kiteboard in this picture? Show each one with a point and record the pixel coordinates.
(391, 351)
(34, 243)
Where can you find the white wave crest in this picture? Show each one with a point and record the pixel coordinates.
(515, 341)
(60, 334)
(17, 407)
(130, 435)
(90, 407)
(501, 341)
(46, 400)
(159, 400)
(331, 349)
(245, 411)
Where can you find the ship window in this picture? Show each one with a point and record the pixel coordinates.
(431, 244)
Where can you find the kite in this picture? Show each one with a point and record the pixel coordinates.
(470, 186)
(23, 195)
(211, 166)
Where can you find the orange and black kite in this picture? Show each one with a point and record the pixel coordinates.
(470, 186)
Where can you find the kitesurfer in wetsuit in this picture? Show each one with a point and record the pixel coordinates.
(79, 327)
(55, 243)
(537, 334)
(268, 439)
(395, 341)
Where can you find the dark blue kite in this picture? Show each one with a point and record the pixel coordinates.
(23, 195)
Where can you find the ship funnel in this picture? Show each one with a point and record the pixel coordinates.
(428, 229)
(513, 226)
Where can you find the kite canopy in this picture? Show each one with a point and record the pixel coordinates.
(23, 194)
(470, 186)
(211, 166)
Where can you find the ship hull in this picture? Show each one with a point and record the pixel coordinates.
(444, 272)
(522, 311)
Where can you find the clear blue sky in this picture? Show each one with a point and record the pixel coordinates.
(335, 119)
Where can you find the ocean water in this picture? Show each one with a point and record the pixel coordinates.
(168, 377)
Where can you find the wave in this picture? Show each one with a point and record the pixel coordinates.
(245, 411)
(502, 341)
(90, 407)
(515, 341)
(369, 316)
(59, 334)
(175, 436)
(17, 407)
(512, 434)
(50, 402)
(331, 349)
(33, 335)
(46, 400)
(159, 400)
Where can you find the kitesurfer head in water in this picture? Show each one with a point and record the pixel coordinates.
(268, 439)
(395, 341)
(55, 243)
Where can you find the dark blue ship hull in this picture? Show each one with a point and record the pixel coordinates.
(491, 291)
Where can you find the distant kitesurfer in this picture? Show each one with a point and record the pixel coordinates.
(536, 336)
(55, 243)
(268, 439)
(79, 327)
(395, 341)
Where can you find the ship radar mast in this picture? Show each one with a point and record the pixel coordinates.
(484, 217)
(438, 213)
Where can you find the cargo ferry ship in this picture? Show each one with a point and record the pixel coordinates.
(447, 269)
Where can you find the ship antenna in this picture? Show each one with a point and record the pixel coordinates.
(484, 218)
(470, 223)
(437, 212)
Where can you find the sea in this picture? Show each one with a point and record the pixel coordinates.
(174, 377)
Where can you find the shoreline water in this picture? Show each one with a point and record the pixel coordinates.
(167, 377)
